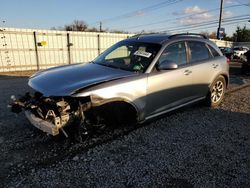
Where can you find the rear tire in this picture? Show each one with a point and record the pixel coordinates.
(216, 92)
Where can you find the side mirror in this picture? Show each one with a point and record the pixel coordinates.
(167, 65)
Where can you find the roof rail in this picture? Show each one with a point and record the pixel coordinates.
(143, 34)
(188, 34)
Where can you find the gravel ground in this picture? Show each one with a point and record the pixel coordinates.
(193, 147)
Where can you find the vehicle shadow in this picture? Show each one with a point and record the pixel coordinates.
(235, 68)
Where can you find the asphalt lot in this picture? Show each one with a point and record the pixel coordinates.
(192, 147)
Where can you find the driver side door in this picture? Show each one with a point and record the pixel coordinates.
(169, 88)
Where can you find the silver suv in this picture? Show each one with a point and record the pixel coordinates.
(133, 81)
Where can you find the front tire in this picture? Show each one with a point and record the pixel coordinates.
(216, 92)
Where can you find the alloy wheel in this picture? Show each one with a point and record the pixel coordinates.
(217, 91)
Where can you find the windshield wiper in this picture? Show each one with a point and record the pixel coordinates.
(113, 66)
(109, 65)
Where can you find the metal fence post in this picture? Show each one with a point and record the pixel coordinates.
(98, 44)
(36, 51)
(68, 46)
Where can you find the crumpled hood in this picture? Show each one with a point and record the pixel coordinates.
(64, 80)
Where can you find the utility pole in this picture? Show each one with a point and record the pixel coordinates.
(221, 12)
(100, 26)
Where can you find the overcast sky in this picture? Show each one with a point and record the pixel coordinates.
(130, 15)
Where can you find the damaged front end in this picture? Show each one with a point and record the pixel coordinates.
(51, 114)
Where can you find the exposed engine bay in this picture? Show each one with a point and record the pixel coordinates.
(51, 114)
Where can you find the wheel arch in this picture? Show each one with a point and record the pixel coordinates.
(225, 76)
(119, 110)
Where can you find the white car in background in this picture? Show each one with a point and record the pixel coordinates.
(239, 51)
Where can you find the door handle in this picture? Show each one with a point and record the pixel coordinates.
(187, 72)
(215, 66)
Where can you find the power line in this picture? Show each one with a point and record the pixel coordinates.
(214, 22)
(243, 3)
(206, 24)
(210, 27)
(201, 23)
(190, 15)
(143, 10)
(163, 21)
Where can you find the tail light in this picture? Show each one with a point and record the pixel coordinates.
(228, 61)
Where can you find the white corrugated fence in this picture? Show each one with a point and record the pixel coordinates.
(27, 49)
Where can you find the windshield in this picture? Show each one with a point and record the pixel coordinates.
(129, 55)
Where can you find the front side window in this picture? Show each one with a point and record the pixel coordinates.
(129, 55)
(174, 53)
(120, 52)
(198, 51)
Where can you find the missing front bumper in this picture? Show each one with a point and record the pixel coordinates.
(52, 114)
(41, 124)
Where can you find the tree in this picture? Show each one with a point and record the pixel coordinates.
(117, 31)
(213, 35)
(227, 38)
(57, 28)
(92, 29)
(77, 25)
(241, 34)
(209, 35)
(205, 33)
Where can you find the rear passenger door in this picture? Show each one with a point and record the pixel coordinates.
(203, 66)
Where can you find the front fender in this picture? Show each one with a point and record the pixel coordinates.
(130, 90)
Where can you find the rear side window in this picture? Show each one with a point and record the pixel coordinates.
(214, 52)
(198, 51)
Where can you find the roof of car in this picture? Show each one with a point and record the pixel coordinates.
(151, 38)
(162, 38)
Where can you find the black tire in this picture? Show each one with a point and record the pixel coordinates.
(216, 92)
